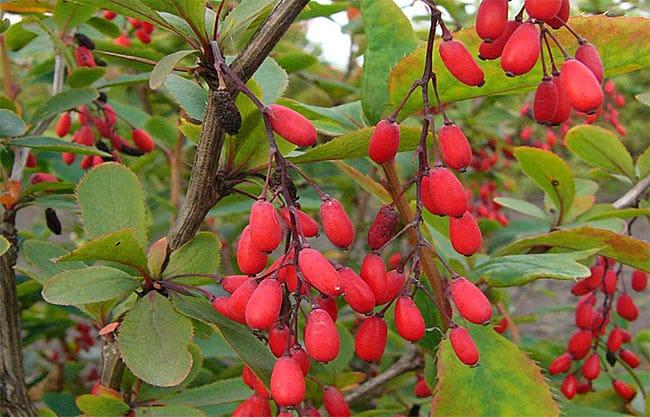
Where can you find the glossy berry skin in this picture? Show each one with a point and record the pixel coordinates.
(84, 57)
(562, 16)
(639, 280)
(307, 226)
(394, 284)
(263, 307)
(460, 63)
(463, 346)
(591, 367)
(254, 382)
(584, 317)
(615, 340)
(231, 282)
(321, 337)
(292, 126)
(470, 301)
(384, 142)
(143, 140)
(357, 293)
(454, 146)
(328, 304)
(279, 338)
(63, 125)
(336, 223)
(254, 406)
(494, 49)
(39, 177)
(143, 35)
(408, 320)
(596, 277)
(588, 55)
(370, 340)
(383, 227)
(465, 234)
(319, 272)
(579, 344)
(265, 229)
(570, 386)
(334, 403)
(581, 86)
(84, 136)
(521, 52)
(447, 192)
(546, 101)
(609, 282)
(287, 382)
(422, 389)
(491, 19)
(623, 389)
(560, 365)
(373, 272)
(542, 9)
(249, 259)
(626, 308)
(630, 358)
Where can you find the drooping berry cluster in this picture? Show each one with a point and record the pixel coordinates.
(131, 26)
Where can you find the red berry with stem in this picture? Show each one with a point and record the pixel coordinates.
(546, 101)
(570, 386)
(321, 337)
(564, 108)
(639, 280)
(521, 52)
(39, 177)
(300, 356)
(460, 63)
(463, 346)
(383, 227)
(334, 403)
(254, 406)
(63, 125)
(357, 292)
(465, 235)
(542, 9)
(328, 304)
(239, 300)
(625, 390)
(588, 55)
(394, 284)
(494, 49)
(491, 19)
(501, 326)
(422, 389)
(581, 86)
(610, 282)
(560, 365)
(109, 15)
(249, 259)
(470, 301)
(579, 344)
(254, 382)
(562, 15)
(373, 272)
(307, 226)
(454, 146)
(292, 126)
(591, 367)
(408, 319)
(264, 224)
(143, 140)
(336, 223)
(280, 338)
(626, 308)
(143, 35)
(615, 340)
(584, 317)
(263, 307)
(384, 142)
(287, 382)
(319, 272)
(231, 282)
(447, 192)
(370, 340)
(630, 358)
(596, 277)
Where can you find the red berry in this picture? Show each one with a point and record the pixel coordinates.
(143, 35)
(570, 386)
(319, 272)
(321, 337)
(581, 86)
(521, 52)
(588, 55)
(84, 57)
(394, 284)
(491, 19)
(384, 142)
(31, 161)
(596, 277)
(84, 136)
(292, 126)
(86, 162)
(143, 140)
(370, 340)
(373, 272)
(109, 15)
(422, 389)
(231, 282)
(494, 49)
(68, 158)
(263, 307)
(334, 403)
(448, 195)
(562, 15)
(542, 9)
(470, 301)
(585, 315)
(454, 146)
(136, 23)
(560, 365)
(502, 326)
(591, 367)
(465, 234)
(408, 320)
(254, 382)
(328, 304)
(383, 227)
(610, 281)
(307, 226)
(254, 406)
(463, 346)
(122, 40)
(300, 356)
(266, 232)
(579, 344)
(357, 293)
(626, 308)
(336, 223)
(63, 125)
(41, 177)
(624, 390)
(584, 387)
(460, 63)
(639, 280)
(249, 259)
(239, 300)
(615, 340)
(148, 27)
(280, 338)
(97, 160)
(630, 358)
(287, 382)
(546, 101)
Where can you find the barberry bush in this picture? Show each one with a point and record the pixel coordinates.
(204, 217)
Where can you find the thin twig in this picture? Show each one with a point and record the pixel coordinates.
(630, 198)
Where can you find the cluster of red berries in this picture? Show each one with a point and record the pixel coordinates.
(587, 350)
(486, 207)
(141, 28)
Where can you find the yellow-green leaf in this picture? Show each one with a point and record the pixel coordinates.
(600, 148)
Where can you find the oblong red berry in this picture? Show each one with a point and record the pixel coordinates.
(63, 125)
(84, 136)
(143, 140)
(454, 146)
(68, 158)
(334, 403)
(639, 280)
(357, 292)
(321, 337)
(560, 365)
(287, 382)
(542, 9)
(384, 142)
(623, 389)
(249, 259)
(581, 86)
(562, 15)
(463, 346)
(373, 272)
(447, 192)
(579, 344)
(470, 301)
(465, 234)
(84, 57)
(319, 272)
(596, 278)
(251, 379)
(609, 282)
(307, 226)
(585, 315)
(383, 227)
(231, 282)
(491, 19)
(626, 308)
(615, 340)
(422, 389)
(394, 284)
(253, 406)
(143, 35)
(263, 307)
(328, 304)
(630, 358)
(264, 224)
(569, 386)
(494, 49)
(39, 177)
(588, 55)
(591, 367)
(408, 319)
(370, 340)
(460, 63)
(521, 52)
(292, 126)
(336, 223)
(280, 339)
(546, 101)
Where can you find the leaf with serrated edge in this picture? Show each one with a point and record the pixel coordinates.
(89, 285)
(37, 256)
(153, 339)
(600, 148)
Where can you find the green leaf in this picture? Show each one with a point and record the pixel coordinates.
(620, 214)
(4, 245)
(101, 406)
(521, 206)
(617, 57)
(366, 182)
(162, 131)
(220, 392)
(273, 80)
(600, 148)
(49, 188)
(517, 270)
(168, 411)
(69, 14)
(506, 382)
(10, 124)
(62, 102)
(84, 76)
(624, 249)
(106, 27)
(111, 199)
(238, 27)
(200, 255)
(188, 94)
(550, 173)
(390, 37)
(165, 66)
(127, 79)
(238, 337)
(643, 164)
(45, 143)
(121, 247)
(38, 264)
(643, 98)
(17, 37)
(154, 339)
(88, 285)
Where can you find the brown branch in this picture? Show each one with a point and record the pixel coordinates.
(630, 198)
